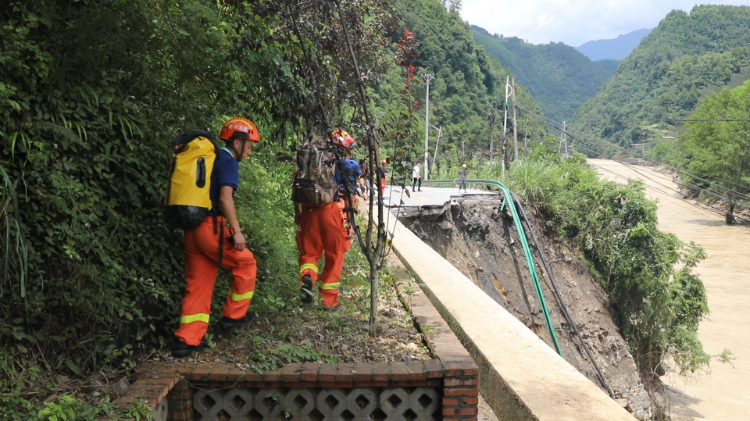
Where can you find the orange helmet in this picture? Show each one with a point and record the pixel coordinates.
(239, 128)
(342, 138)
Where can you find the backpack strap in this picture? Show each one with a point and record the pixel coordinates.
(219, 230)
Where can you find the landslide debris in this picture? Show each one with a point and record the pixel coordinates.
(482, 242)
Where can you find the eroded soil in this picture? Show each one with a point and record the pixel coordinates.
(481, 241)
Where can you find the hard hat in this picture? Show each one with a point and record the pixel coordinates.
(239, 128)
(463, 166)
(343, 139)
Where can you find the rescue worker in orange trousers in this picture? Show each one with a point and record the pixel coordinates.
(202, 247)
(323, 230)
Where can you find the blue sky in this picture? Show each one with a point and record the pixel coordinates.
(579, 22)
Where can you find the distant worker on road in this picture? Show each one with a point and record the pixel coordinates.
(416, 179)
(463, 173)
(364, 179)
(382, 171)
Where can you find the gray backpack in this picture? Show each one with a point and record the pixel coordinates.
(314, 180)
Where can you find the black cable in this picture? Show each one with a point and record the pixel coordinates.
(602, 379)
(724, 198)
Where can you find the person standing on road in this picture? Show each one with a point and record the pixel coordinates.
(204, 249)
(463, 173)
(416, 179)
(382, 171)
(364, 179)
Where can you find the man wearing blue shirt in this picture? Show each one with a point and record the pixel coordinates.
(213, 243)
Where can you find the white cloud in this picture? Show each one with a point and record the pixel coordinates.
(582, 21)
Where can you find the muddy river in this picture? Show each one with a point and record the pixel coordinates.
(723, 391)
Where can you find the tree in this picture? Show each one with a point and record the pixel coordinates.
(719, 149)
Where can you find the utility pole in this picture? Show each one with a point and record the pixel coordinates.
(492, 130)
(563, 148)
(526, 140)
(515, 133)
(427, 77)
(437, 145)
(505, 126)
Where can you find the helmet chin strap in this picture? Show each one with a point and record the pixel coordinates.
(237, 155)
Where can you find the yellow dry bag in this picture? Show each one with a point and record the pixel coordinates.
(188, 198)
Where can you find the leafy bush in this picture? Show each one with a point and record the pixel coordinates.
(647, 273)
(687, 57)
(92, 95)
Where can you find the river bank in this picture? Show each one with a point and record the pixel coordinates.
(722, 392)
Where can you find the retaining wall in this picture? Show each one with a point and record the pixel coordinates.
(521, 377)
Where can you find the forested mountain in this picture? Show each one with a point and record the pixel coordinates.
(559, 77)
(467, 81)
(687, 57)
(613, 49)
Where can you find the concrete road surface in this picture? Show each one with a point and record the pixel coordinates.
(429, 196)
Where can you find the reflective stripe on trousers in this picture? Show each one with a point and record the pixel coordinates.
(321, 231)
(201, 268)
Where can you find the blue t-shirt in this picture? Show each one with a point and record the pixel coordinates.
(353, 170)
(226, 173)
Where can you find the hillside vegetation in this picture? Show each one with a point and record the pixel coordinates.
(715, 154)
(560, 78)
(467, 83)
(92, 95)
(687, 57)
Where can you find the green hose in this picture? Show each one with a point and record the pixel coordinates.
(508, 199)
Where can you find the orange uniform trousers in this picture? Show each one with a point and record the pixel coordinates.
(321, 230)
(201, 268)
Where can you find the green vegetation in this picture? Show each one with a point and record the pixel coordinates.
(717, 151)
(687, 57)
(647, 273)
(558, 76)
(467, 83)
(91, 96)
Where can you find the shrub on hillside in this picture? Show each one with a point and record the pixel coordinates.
(647, 273)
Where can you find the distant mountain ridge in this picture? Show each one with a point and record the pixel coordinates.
(613, 49)
(560, 78)
(687, 57)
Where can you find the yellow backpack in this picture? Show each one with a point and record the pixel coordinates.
(188, 199)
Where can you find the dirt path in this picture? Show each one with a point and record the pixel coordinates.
(724, 392)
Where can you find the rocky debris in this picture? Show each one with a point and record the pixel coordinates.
(484, 246)
(120, 386)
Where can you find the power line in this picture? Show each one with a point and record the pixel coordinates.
(546, 18)
(693, 186)
(669, 192)
(658, 120)
(556, 124)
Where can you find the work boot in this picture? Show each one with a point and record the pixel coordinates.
(306, 290)
(227, 322)
(181, 349)
(334, 308)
